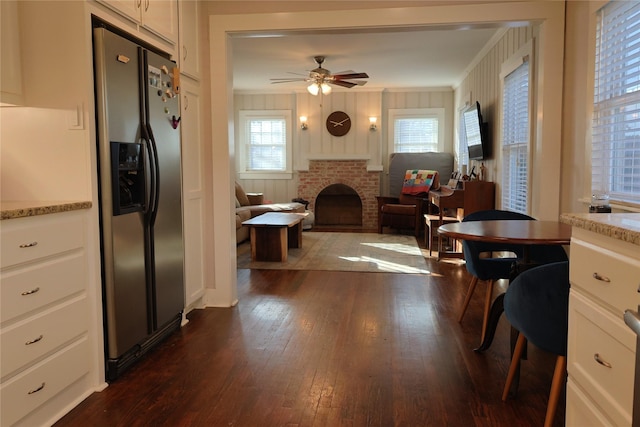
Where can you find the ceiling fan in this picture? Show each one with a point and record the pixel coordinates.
(320, 79)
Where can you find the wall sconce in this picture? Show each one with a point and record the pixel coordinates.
(303, 122)
(372, 125)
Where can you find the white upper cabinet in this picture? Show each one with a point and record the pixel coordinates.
(159, 17)
(11, 78)
(189, 45)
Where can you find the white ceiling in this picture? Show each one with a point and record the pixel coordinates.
(399, 58)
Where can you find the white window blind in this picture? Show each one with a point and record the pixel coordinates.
(264, 144)
(416, 130)
(616, 112)
(416, 135)
(515, 139)
(463, 149)
(267, 145)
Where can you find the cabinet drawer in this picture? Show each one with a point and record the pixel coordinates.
(26, 341)
(32, 388)
(594, 332)
(618, 286)
(581, 411)
(29, 289)
(31, 238)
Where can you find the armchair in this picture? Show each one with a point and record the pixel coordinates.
(406, 211)
(401, 212)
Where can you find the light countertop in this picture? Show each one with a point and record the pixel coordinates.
(21, 209)
(621, 226)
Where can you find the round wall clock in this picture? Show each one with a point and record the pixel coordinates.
(338, 123)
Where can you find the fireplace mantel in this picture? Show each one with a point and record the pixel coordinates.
(304, 166)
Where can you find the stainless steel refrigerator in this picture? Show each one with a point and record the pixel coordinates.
(140, 197)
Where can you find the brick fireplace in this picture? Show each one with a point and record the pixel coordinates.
(351, 173)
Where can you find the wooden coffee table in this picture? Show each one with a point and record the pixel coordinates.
(273, 233)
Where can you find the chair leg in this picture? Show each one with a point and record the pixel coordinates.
(467, 299)
(515, 361)
(427, 235)
(487, 308)
(556, 388)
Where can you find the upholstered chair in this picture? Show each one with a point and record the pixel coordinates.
(407, 210)
(404, 212)
(537, 305)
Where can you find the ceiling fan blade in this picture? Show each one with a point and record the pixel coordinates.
(351, 76)
(289, 79)
(342, 83)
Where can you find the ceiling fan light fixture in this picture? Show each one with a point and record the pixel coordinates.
(326, 89)
(313, 89)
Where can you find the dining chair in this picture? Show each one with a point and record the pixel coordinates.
(537, 306)
(483, 264)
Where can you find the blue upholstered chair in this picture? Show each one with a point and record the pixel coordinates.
(482, 264)
(537, 305)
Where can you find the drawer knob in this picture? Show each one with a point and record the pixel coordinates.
(35, 390)
(33, 341)
(601, 278)
(32, 291)
(606, 364)
(28, 245)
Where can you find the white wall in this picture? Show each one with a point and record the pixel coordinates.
(359, 143)
(482, 84)
(45, 143)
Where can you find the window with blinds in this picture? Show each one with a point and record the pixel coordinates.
(463, 149)
(266, 145)
(416, 130)
(615, 158)
(416, 135)
(264, 149)
(515, 139)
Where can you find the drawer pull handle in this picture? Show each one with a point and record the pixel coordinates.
(35, 390)
(601, 278)
(596, 357)
(28, 245)
(33, 341)
(32, 291)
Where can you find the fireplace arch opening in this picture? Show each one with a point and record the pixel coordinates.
(338, 204)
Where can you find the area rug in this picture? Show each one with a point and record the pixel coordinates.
(367, 252)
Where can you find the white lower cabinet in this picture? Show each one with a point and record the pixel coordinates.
(604, 275)
(581, 411)
(45, 343)
(31, 389)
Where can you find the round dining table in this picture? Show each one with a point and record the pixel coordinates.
(516, 232)
(523, 232)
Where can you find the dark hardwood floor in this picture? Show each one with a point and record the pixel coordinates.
(313, 348)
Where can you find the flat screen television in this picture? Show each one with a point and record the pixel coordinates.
(475, 131)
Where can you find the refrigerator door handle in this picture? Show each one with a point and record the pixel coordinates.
(155, 177)
(149, 172)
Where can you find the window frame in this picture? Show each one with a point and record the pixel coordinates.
(515, 61)
(415, 113)
(463, 150)
(244, 116)
(603, 175)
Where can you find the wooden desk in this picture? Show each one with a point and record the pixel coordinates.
(272, 233)
(474, 196)
(517, 232)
